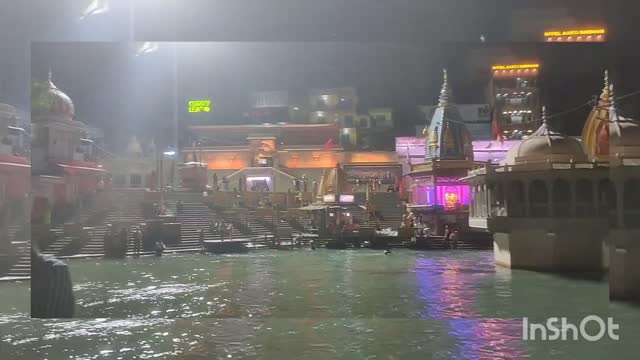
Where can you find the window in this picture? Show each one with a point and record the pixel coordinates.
(136, 180)
(607, 200)
(516, 199)
(364, 122)
(348, 121)
(562, 198)
(631, 202)
(538, 198)
(584, 198)
(378, 120)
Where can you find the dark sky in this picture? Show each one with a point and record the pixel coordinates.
(395, 60)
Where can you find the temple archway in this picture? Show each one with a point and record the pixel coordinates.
(561, 198)
(516, 203)
(538, 198)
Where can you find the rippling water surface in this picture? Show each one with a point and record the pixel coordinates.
(311, 305)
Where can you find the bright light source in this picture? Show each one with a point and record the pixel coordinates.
(146, 48)
(296, 108)
(96, 7)
(170, 153)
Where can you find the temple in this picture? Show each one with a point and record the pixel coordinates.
(560, 205)
(65, 171)
(436, 191)
(327, 154)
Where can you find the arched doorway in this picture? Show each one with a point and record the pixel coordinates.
(584, 198)
(516, 199)
(607, 200)
(631, 202)
(538, 198)
(561, 198)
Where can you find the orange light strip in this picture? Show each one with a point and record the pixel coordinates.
(575, 32)
(513, 67)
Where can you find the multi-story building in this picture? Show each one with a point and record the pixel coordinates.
(515, 98)
(278, 106)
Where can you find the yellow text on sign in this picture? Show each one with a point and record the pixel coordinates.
(196, 106)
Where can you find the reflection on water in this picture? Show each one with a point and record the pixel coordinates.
(307, 304)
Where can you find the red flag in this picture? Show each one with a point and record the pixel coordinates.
(329, 144)
(495, 125)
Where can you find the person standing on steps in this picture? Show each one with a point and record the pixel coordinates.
(230, 230)
(447, 236)
(201, 241)
(455, 235)
(179, 207)
(137, 240)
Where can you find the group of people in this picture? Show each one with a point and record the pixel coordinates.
(219, 227)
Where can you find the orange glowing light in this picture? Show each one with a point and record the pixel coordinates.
(518, 66)
(575, 32)
(450, 200)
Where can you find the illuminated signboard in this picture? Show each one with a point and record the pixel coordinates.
(347, 198)
(516, 70)
(329, 198)
(196, 106)
(575, 32)
(587, 35)
(515, 67)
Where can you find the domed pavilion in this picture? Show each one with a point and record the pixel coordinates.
(549, 202)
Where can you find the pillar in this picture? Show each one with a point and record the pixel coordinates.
(527, 198)
(505, 196)
(572, 205)
(619, 186)
(487, 202)
(550, 198)
(472, 206)
(595, 197)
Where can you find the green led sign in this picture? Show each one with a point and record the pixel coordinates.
(196, 106)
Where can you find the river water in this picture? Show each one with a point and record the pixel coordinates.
(303, 304)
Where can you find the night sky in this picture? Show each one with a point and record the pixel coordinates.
(392, 54)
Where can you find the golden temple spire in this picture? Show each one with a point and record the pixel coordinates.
(605, 90)
(445, 93)
(611, 96)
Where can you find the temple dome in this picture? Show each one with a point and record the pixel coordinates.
(545, 145)
(48, 100)
(624, 133)
(447, 137)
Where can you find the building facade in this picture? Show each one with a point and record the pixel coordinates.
(65, 169)
(515, 98)
(15, 168)
(562, 205)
